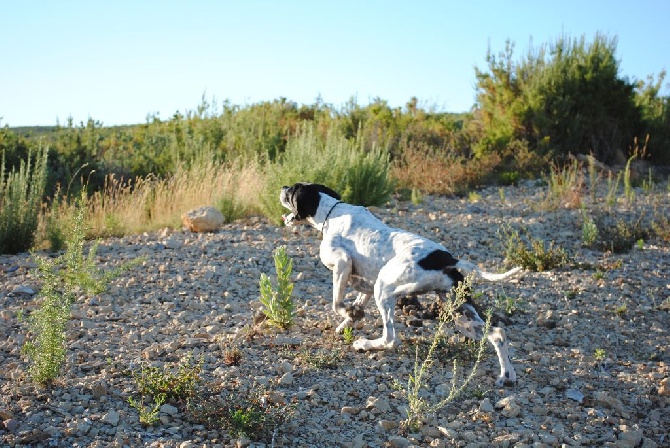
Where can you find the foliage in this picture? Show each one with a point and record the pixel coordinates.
(21, 193)
(530, 253)
(566, 97)
(277, 303)
(249, 414)
(172, 384)
(63, 279)
(418, 403)
(360, 176)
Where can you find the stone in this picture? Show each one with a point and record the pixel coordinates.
(398, 442)
(203, 219)
(169, 409)
(485, 405)
(286, 379)
(111, 418)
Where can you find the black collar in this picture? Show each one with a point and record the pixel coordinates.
(328, 215)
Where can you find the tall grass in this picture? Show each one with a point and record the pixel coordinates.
(360, 176)
(20, 200)
(149, 203)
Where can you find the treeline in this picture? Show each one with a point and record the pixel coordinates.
(563, 98)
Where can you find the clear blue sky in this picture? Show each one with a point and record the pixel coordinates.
(118, 61)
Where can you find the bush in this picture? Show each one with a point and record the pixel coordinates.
(361, 177)
(20, 200)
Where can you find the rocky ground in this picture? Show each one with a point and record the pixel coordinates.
(590, 341)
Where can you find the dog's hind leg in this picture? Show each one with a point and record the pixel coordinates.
(469, 323)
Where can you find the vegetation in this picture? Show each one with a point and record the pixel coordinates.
(520, 249)
(21, 191)
(563, 98)
(277, 303)
(418, 402)
(63, 280)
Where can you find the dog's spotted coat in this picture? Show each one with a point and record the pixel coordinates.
(385, 263)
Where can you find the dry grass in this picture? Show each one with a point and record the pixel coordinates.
(128, 207)
(435, 172)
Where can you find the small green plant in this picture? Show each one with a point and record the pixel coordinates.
(501, 194)
(277, 303)
(416, 196)
(473, 196)
(509, 305)
(589, 231)
(599, 354)
(321, 358)
(63, 279)
(148, 414)
(248, 414)
(348, 335)
(618, 235)
(418, 403)
(640, 244)
(621, 310)
(530, 253)
(173, 384)
(612, 189)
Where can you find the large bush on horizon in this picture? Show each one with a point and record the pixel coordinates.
(565, 97)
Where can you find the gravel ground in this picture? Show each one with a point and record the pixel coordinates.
(198, 294)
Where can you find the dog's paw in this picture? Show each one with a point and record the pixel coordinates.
(506, 379)
(345, 323)
(374, 344)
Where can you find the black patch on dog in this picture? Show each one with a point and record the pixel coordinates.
(305, 198)
(437, 260)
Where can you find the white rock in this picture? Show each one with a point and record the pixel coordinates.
(203, 219)
(485, 405)
(286, 379)
(111, 418)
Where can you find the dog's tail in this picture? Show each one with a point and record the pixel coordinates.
(471, 267)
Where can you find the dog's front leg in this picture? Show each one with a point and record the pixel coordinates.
(472, 326)
(340, 262)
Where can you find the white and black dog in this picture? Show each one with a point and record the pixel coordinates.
(387, 263)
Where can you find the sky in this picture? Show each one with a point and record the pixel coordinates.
(122, 61)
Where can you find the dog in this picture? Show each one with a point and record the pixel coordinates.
(386, 263)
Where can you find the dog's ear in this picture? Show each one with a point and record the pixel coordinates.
(328, 191)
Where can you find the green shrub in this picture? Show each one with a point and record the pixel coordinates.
(277, 303)
(63, 279)
(530, 253)
(361, 177)
(20, 200)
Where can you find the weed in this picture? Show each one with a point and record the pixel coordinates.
(618, 235)
(612, 190)
(348, 335)
(565, 186)
(418, 404)
(599, 354)
(416, 196)
(63, 279)
(249, 414)
(321, 358)
(621, 310)
(148, 414)
(232, 356)
(501, 193)
(509, 305)
(473, 196)
(176, 385)
(661, 227)
(589, 230)
(277, 303)
(530, 253)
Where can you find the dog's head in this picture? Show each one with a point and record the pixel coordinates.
(302, 199)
